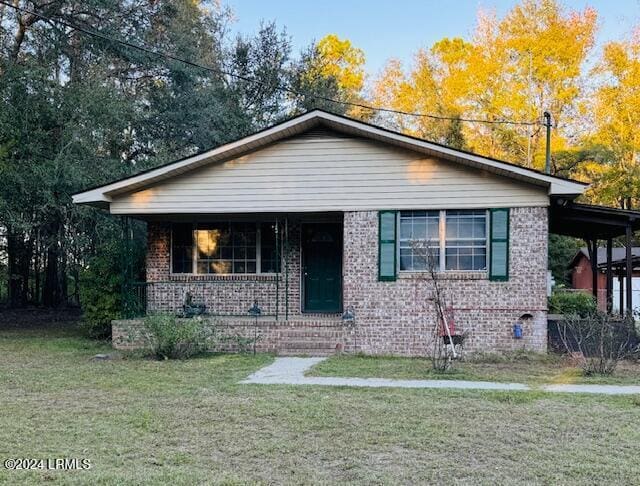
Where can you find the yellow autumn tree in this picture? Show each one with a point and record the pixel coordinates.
(331, 68)
(615, 166)
(437, 85)
(339, 59)
(513, 68)
(546, 47)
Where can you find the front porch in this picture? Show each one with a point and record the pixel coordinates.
(282, 266)
(277, 278)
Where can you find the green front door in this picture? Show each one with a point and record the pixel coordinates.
(322, 267)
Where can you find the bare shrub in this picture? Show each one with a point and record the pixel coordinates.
(599, 341)
(445, 346)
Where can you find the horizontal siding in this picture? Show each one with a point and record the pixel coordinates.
(324, 172)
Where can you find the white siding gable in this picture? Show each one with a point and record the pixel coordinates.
(324, 171)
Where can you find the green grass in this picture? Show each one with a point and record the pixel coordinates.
(530, 368)
(189, 422)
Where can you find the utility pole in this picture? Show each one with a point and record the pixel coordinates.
(547, 124)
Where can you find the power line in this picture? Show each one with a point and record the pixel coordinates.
(286, 89)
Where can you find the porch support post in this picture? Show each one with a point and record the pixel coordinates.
(286, 267)
(609, 275)
(279, 263)
(621, 288)
(594, 268)
(629, 271)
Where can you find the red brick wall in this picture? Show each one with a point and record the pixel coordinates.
(582, 278)
(398, 317)
(320, 336)
(391, 317)
(222, 294)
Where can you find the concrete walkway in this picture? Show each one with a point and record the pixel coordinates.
(290, 371)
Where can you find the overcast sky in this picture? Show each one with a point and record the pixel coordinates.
(397, 28)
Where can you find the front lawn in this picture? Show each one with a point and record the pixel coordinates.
(530, 368)
(147, 422)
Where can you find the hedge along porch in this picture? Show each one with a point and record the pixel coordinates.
(345, 201)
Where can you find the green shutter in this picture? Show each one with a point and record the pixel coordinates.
(387, 245)
(499, 245)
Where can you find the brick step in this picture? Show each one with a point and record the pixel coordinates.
(307, 344)
(305, 352)
(311, 335)
(312, 347)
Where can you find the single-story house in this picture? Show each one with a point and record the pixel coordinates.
(322, 221)
(582, 275)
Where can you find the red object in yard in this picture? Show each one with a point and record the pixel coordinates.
(448, 314)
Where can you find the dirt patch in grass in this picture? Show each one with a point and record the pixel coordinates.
(189, 422)
(529, 368)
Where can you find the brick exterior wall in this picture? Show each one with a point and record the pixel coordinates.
(391, 317)
(397, 317)
(222, 295)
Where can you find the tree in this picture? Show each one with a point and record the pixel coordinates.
(546, 48)
(339, 59)
(616, 110)
(561, 250)
(76, 111)
(331, 69)
(513, 68)
(438, 84)
(264, 58)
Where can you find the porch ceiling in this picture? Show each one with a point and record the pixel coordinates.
(319, 217)
(589, 221)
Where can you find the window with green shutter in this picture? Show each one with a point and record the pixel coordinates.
(499, 249)
(387, 235)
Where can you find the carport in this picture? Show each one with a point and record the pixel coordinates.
(595, 224)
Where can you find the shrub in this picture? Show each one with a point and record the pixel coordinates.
(600, 341)
(101, 292)
(572, 303)
(171, 338)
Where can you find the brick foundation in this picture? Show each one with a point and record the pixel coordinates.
(391, 317)
(322, 336)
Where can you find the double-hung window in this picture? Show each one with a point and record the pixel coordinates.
(224, 248)
(419, 240)
(465, 240)
(443, 240)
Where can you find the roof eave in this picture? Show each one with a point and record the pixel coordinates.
(294, 126)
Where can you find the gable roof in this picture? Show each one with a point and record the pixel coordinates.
(102, 195)
(618, 255)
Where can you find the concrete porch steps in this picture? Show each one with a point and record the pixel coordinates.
(310, 341)
(307, 348)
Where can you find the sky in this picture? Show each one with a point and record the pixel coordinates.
(398, 28)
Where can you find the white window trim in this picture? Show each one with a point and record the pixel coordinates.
(442, 235)
(194, 256)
